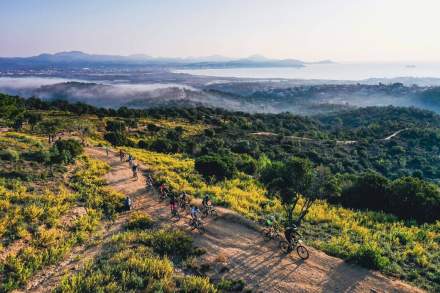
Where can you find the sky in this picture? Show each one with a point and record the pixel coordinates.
(310, 30)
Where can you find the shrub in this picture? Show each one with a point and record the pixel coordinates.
(153, 127)
(171, 243)
(65, 151)
(9, 155)
(115, 126)
(231, 285)
(220, 167)
(38, 156)
(143, 144)
(139, 221)
(163, 145)
(406, 197)
(73, 146)
(117, 139)
(196, 284)
(247, 164)
(414, 198)
(370, 257)
(368, 191)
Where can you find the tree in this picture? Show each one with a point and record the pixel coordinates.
(33, 118)
(217, 166)
(413, 198)
(10, 106)
(323, 185)
(176, 133)
(18, 121)
(117, 138)
(132, 123)
(295, 178)
(115, 126)
(369, 190)
(50, 128)
(65, 151)
(163, 145)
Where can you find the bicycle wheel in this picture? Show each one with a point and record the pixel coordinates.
(284, 245)
(302, 252)
(214, 213)
(267, 235)
(175, 216)
(201, 229)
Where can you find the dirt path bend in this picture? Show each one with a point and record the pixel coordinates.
(242, 251)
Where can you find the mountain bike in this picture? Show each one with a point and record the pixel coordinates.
(296, 244)
(208, 210)
(149, 183)
(175, 215)
(184, 205)
(197, 224)
(163, 195)
(271, 233)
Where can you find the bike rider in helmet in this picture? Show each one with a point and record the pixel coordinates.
(206, 201)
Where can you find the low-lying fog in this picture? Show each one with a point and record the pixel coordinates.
(265, 96)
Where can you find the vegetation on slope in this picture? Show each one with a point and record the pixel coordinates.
(404, 242)
(35, 227)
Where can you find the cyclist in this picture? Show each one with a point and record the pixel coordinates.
(128, 203)
(270, 221)
(194, 212)
(121, 155)
(173, 204)
(206, 202)
(289, 233)
(130, 160)
(183, 198)
(163, 188)
(106, 150)
(134, 169)
(149, 181)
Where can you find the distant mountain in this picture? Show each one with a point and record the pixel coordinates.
(80, 59)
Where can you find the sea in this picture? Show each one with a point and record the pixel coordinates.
(329, 71)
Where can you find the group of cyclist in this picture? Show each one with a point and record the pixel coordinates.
(131, 162)
(290, 232)
(183, 201)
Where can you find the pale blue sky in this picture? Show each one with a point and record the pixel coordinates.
(342, 30)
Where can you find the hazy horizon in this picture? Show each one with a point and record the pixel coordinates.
(340, 30)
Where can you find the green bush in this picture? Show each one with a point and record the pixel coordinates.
(65, 151)
(171, 243)
(406, 197)
(247, 164)
(164, 145)
(115, 126)
(37, 156)
(73, 146)
(9, 155)
(370, 257)
(196, 284)
(118, 139)
(220, 167)
(139, 221)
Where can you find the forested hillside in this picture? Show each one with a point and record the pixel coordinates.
(369, 177)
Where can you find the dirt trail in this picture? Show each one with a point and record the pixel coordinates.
(244, 252)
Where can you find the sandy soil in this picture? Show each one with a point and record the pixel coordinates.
(237, 249)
